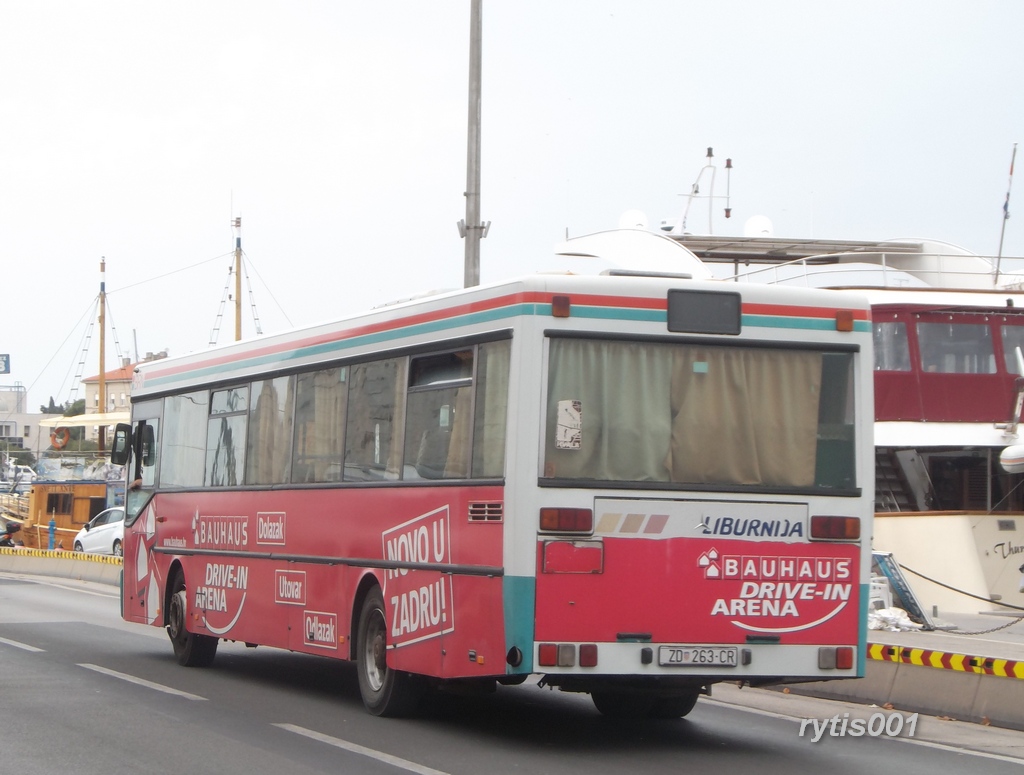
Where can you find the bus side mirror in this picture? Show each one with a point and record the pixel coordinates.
(148, 445)
(122, 444)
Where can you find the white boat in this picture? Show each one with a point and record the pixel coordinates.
(949, 389)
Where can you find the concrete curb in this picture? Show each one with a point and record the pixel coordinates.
(68, 565)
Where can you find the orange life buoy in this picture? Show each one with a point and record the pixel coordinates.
(60, 437)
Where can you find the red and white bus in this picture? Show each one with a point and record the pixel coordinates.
(632, 486)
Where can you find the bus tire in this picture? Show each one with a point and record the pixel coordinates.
(623, 704)
(674, 707)
(385, 691)
(190, 649)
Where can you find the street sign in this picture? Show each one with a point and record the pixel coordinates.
(5, 363)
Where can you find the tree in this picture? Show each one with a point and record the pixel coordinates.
(23, 457)
(52, 408)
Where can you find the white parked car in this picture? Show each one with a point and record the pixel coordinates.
(104, 533)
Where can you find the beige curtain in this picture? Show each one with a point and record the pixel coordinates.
(320, 411)
(396, 428)
(491, 409)
(457, 465)
(744, 416)
(625, 409)
(329, 396)
(270, 423)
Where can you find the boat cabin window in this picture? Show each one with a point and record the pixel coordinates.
(892, 351)
(1013, 337)
(956, 348)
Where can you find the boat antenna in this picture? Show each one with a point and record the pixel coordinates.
(709, 167)
(1006, 213)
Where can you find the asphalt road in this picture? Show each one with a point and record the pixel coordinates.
(83, 692)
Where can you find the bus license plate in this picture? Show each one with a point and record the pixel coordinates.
(697, 656)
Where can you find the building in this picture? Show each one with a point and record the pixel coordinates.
(117, 389)
(19, 428)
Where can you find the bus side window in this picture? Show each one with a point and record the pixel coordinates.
(375, 419)
(225, 437)
(438, 416)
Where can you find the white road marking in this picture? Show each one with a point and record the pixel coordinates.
(141, 682)
(17, 645)
(380, 756)
(50, 583)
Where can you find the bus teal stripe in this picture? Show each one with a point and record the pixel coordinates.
(518, 594)
(486, 316)
(619, 313)
(756, 321)
(339, 346)
(812, 324)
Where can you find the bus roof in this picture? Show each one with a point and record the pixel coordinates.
(631, 299)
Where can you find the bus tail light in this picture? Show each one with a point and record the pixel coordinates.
(835, 658)
(826, 528)
(564, 655)
(844, 658)
(567, 520)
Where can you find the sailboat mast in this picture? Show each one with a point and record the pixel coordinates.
(103, 359)
(238, 278)
(1006, 212)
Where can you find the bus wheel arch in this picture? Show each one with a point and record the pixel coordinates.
(173, 572)
(366, 583)
(385, 691)
(190, 649)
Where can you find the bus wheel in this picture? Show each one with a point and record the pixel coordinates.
(385, 692)
(190, 649)
(674, 707)
(622, 704)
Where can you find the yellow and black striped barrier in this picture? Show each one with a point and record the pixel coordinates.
(944, 660)
(62, 554)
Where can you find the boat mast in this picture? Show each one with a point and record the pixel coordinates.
(238, 278)
(1006, 214)
(103, 377)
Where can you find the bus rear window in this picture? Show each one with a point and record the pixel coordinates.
(684, 414)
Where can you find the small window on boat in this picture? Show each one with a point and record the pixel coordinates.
(892, 353)
(956, 348)
(1013, 338)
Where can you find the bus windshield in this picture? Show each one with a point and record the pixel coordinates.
(699, 415)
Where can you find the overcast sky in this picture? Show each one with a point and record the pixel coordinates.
(136, 131)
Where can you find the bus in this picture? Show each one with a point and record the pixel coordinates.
(627, 485)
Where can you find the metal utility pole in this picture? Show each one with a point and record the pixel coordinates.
(238, 278)
(471, 229)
